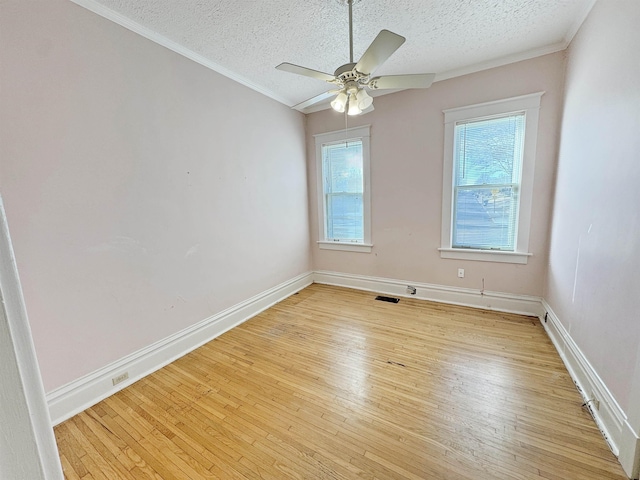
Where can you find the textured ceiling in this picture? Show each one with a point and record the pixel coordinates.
(246, 39)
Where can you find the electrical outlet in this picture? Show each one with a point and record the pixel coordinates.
(120, 378)
(461, 273)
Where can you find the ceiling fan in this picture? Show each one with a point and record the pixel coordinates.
(353, 79)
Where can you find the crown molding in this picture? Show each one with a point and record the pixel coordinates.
(478, 67)
(579, 20)
(502, 61)
(109, 14)
(99, 9)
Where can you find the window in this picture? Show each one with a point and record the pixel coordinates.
(488, 179)
(343, 190)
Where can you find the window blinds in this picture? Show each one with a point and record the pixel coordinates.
(343, 189)
(487, 175)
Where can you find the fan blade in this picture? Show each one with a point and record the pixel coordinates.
(307, 72)
(314, 100)
(420, 80)
(380, 49)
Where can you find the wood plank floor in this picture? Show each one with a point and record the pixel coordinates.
(331, 384)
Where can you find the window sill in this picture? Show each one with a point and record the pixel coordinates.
(485, 255)
(345, 246)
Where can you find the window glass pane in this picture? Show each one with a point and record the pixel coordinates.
(345, 217)
(488, 161)
(343, 188)
(484, 218)
(489, 151)
(343, 167)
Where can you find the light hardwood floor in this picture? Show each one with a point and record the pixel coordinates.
(331, 384)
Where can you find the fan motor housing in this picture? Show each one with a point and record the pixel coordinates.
(347, 73)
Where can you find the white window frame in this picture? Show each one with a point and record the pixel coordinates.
(530, 105)
(351, 134)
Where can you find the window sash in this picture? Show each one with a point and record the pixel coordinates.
(343, 188)
(485, 218)
(347, 224)
(340, 137)
(485, 214)
(530, 104)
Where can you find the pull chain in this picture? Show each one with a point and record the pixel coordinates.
(346, 134)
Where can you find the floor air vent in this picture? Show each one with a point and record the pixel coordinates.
(387, 299)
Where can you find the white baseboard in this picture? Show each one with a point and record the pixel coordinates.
(84, 392)
(67, 401)
(71, 399)
(629, 456)
(609, 416)
(502, 302)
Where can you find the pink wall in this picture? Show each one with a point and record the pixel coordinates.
(144, 192)
(594, 263)
(407, 133)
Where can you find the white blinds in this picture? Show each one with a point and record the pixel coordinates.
(487, 175)
(343, 188)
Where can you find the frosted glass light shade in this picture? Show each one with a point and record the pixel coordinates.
(340, 102)
(364, 99)
(353, 106)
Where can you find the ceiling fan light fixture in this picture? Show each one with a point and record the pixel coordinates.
(351, 78)
(353, 106)
(364, 99)
(339, 104)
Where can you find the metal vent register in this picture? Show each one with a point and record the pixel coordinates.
(387, 299)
